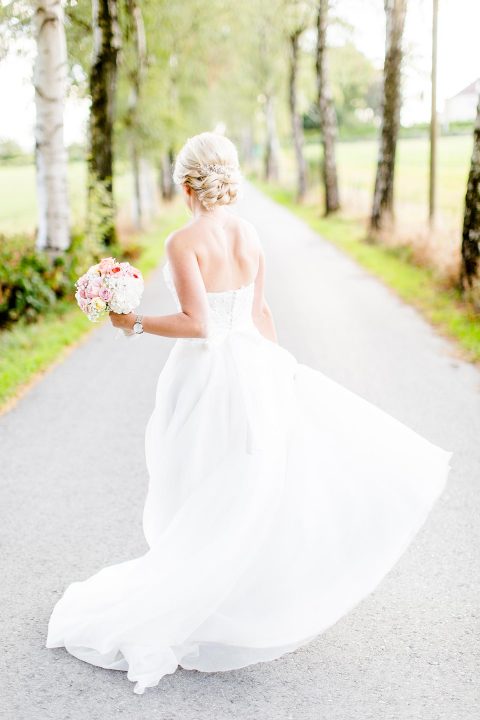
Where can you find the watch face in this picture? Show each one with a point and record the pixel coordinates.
(137, 327)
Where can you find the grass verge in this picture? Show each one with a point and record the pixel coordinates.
(28, 350)
(416, 285)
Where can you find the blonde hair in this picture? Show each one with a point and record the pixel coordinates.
(208, 163)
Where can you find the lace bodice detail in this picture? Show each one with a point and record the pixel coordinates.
(228, 309)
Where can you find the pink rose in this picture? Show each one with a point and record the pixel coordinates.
(93, 289)
(105, 294)
(106, 265)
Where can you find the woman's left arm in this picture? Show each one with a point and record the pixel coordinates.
(262, 315)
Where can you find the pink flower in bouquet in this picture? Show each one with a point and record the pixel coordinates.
(93, 289)
(109, 286)
(106, 265)
(105, 293)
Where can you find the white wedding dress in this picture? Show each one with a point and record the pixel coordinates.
(278, 499)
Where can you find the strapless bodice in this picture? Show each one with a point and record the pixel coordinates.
(228, 309)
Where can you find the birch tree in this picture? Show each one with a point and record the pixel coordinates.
(103, 86)
(395, 11)
(50, 80)
(296, 119)
(267, 67)
(272, 146)
(432, 185)
(470, 269)
(135, 34)
(167, 186)
(328, 119)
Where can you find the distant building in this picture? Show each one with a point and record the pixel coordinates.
(462, 107)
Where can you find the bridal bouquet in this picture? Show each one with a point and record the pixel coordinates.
(109, 286)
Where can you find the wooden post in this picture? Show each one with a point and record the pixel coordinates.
(432, 199)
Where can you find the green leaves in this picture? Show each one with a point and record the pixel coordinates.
(24, 287)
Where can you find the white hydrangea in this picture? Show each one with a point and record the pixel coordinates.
(109, 286)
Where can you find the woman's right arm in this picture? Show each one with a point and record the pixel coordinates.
(191, 320)
(262, 315)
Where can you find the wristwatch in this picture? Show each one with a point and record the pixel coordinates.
(137, 326)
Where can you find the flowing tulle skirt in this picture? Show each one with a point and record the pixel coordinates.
(278, 499)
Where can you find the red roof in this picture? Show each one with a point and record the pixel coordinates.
(472, 89)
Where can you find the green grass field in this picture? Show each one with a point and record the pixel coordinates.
(18, 210)
(356, 163)
(357, 166)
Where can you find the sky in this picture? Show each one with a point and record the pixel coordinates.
(458, 63)
(458, 56)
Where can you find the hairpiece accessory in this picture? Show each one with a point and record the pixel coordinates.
(216, 168)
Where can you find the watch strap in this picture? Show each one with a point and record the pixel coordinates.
(138, 319)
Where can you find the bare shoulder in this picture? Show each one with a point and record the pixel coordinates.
(249, 227)
(179, 241)
(251, 233)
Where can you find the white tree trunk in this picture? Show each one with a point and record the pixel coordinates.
(50, 77)
(149, 188)
(392, 99)
(272, 150)
(145, 197)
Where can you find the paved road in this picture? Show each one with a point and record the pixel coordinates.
(408, 651)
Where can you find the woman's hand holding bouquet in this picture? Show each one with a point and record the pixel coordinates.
(111, 287)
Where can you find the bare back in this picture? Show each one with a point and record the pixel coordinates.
(227, 251)
(218, 253)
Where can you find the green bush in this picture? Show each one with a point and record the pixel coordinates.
(31, 280)
(24, 287)
(83, 252)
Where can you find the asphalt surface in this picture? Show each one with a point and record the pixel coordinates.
(73, 484)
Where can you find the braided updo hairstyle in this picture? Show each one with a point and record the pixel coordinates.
(208, 163)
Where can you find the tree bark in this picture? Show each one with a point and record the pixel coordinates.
(137, 201)
(50, 78)
(471, 221)
(297, 129)
(136, 30)
(395, 11)
(166, 171)
(248, 145)
(271, 148)
(148, 189)
(328, 118)
(103, 85)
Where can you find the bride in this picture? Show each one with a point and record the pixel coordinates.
(277, 498)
